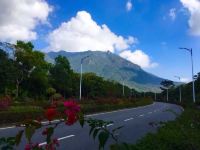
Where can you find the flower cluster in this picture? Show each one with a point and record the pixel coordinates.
(32, 146)
(51, 113)
(71, 110)
(5, 102)
(52, 145)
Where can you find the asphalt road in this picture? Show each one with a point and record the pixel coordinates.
(135, 121)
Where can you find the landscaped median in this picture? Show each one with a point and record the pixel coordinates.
(181, 134)
(19, 112)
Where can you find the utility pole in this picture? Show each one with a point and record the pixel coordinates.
(180, 95)
(123, 88)
(193, 86)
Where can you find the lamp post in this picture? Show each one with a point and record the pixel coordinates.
(81, 75)
(123, 88)
(193, 88)
(180, 97)
(155, 96)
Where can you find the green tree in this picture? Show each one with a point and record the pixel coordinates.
(33, 69)
(61, 76)
(7, 72)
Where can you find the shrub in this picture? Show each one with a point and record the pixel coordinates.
(5, 102)
(19, 113)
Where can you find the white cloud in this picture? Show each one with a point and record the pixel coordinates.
(19, 18)
(82, 33)
(185, 80)
(193, 6)
(138, 57)
(129, 5)
(172, 13)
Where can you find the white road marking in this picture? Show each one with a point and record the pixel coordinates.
(109, 125)
(128, 119)
(7, 127)
(141, 115)
(106, 126)
(59, 139)
(57, 120)
(62, 138)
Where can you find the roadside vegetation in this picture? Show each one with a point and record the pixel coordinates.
(186, 92)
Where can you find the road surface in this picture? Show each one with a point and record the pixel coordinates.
(135, 121)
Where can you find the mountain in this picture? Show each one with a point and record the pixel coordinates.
(105, 64)
(111, 67)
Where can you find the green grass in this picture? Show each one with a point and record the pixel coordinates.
(23, 109)
(181, 134)
(20, 113)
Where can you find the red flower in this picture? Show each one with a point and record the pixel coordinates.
(55, 142)
(45, 131)
(28, 147)
(71, 117)
(72, 110)
(72, 106)
(50, 113)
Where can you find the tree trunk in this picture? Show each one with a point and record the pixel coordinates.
(17, 89)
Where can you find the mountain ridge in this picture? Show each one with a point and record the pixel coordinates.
(105, 64)
(112, 67)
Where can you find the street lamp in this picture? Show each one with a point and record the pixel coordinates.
(193, 88)
(123, 88)
(81, 74)
(179, 78)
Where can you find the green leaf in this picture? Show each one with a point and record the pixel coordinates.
(95, 133)
(117, 128)
(36, 124)
(103, 137)
(18, 137)
(91, 129)
(29, 131)
(11, 141)
(7, 147)
(81, 119)
(2, 140)
(50, 131)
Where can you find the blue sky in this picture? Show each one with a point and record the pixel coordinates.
(146, 32)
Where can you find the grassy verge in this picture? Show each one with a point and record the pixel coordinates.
(18, 113)
(181, 134)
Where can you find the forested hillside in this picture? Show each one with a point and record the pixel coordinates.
(28, 76)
